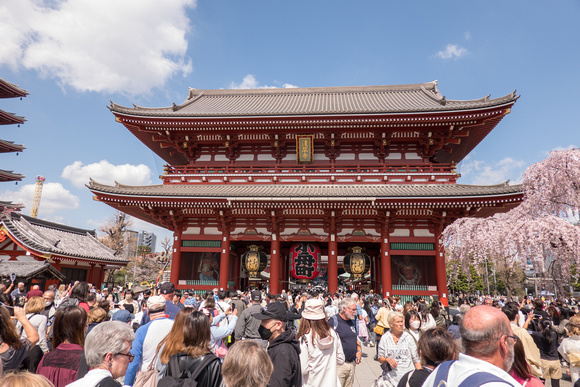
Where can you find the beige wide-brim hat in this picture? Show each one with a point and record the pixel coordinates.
(314, 309)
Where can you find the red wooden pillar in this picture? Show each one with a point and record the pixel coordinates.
(440, 268)
(332, 262)
(101, 275)
(91, 275)
(386, 262)
(275, 264)
(225, 260)
(378, 272)
(176, 258)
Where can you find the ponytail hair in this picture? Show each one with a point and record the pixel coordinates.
(547, 331)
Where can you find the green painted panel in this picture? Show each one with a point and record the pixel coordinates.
(201, 243)
(412, 246)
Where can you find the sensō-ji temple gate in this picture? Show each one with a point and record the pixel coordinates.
(339, 167)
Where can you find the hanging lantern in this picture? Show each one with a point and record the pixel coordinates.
(305, 258)
(254, 261)
(356, 263)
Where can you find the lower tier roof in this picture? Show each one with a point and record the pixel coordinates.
(314, 191)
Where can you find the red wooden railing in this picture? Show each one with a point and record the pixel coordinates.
(315, 174)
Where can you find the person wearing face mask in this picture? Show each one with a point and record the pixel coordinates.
(283, 347)
(413, 325)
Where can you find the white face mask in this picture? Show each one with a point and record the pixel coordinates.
(415, 324)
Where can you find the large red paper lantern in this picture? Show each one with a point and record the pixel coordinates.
(305, 260)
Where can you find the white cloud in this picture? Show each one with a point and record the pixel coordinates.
(482, 173)
(127, 46)
(452, 51)
(467, 35)
(106, 173)
(54, 198)
(250, 82)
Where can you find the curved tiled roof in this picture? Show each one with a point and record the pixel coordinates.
(233, 191)
(10, 90)
(10, 146)
(10, 118)
(57, 239)
(10, 176)
(422, 97)
(29, 269)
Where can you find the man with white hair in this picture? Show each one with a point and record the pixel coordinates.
(344, 325)
(488, 344)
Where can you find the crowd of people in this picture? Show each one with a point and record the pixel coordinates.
(83, 336)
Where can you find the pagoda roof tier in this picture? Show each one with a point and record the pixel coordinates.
(303, 192)
(10, 118)
(10, 90)
(446, 130)
(50, 239)
(169, 205)
(420, 97)
(10, 176)
(9, 146)
(6, 207)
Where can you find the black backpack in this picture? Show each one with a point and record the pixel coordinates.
(175, 377)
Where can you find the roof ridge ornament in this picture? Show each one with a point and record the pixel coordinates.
(191, 98)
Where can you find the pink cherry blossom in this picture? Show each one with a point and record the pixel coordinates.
(538, 228)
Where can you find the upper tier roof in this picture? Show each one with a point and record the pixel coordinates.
(57, 239)
(10, 90)
(10, 176)
(421, 97)
(7, 118)
(305, 191)
(10, 146)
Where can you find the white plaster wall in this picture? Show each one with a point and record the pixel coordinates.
(401, 232)
(412, 156)
(423, 233)
(266, 157)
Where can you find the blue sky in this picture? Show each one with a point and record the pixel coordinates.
(74, 56)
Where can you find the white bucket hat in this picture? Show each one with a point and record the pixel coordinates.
(314, 309)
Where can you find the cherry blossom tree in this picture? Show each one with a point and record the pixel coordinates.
(538, 228)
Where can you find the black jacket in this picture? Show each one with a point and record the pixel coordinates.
(284, 352)
(211, 376)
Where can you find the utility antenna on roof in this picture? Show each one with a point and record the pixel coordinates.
(37, 194)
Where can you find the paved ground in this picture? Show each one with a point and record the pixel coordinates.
(369, 369)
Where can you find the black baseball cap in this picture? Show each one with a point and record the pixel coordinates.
(167, 288)
(274, 310)
(256, 295)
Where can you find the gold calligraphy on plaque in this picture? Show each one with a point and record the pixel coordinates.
(304, 149)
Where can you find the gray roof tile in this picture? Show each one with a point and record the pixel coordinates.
(306, 190)
(58, 239)
(314, 101)
(29, 269)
